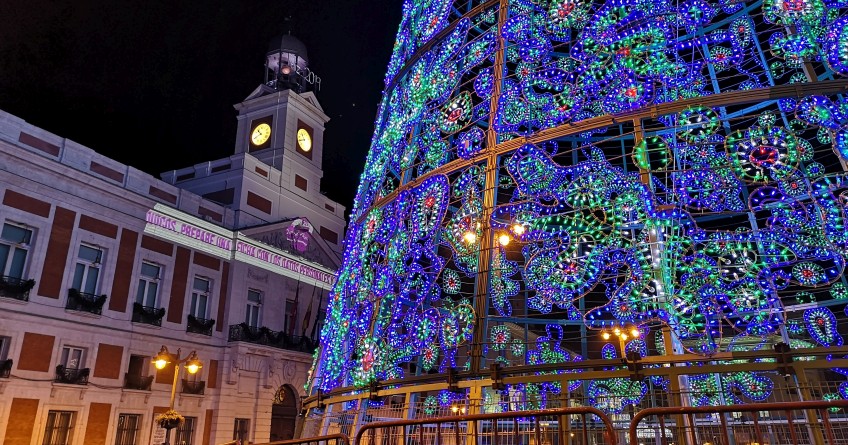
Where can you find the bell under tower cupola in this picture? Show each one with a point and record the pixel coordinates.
(281, 122)
(287, 66)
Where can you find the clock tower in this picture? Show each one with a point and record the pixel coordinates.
(282, 119)
(274, 176)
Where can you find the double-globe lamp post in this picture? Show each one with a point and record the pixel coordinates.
(623, 334)
(192, 365)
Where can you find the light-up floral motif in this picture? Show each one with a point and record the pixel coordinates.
(546, 171)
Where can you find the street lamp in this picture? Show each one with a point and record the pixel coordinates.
(623, 333)
(192, 365)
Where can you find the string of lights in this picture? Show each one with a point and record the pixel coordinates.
(705, 230)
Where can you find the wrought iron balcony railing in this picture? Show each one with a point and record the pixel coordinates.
(81, 301)
(147, 315)
(72, 376)
(265, 336)
(17, 288)
(199, 325)
(196, 387)
(137, 382)
(5, 368)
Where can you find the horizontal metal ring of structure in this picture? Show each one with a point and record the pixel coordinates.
(519, 374)
(721, 99)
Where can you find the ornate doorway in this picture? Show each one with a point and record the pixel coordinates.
(283, 414)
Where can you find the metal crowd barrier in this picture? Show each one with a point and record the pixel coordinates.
(795, 423)
(563, 426)
(334, 439)
(779, 423)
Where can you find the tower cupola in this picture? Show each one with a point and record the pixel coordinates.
(287, 66)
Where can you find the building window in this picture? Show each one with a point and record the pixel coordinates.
(72, 357)
(148, 284)
(291, 316)
(5, 363)
(128, 426)
(87, 270)
(71, 369)
(240, 430)
(14, 248)
(329, 235)
(254, 307)
(200, 297)
(136, 376)
(185, 432)
(5, 343)
(138, 365)
(58, 430)
(301, 182)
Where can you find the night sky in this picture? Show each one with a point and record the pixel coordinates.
(152, 84)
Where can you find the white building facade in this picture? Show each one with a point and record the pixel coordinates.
(101, 265)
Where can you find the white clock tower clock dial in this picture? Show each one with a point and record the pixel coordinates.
(304, 141)
(260, 134)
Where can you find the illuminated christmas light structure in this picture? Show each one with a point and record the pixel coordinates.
(544, 172)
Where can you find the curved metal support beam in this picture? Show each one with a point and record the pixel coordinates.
(722, 99)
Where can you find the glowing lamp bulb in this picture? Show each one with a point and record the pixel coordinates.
(623, 337)
(518, 229)
(160, 364)
(193, 368)
(617, 331)
(635, 332)
(455, 409)
(503, 239)
(605, 335)
(470, 237)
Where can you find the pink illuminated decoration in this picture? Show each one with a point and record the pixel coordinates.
(278, 260)
(172, 225)
(298, 234)
(189, 230)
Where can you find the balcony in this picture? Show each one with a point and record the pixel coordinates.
(71, 376)
(83, 302)
(199, 325)
(5, 368)
(147, 315)
(16, 288)
(137, 382)
(196, 387)
(267, 337)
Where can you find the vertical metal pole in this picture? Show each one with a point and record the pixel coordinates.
(475, 396)
(421, 434)
(791, 427)
(326, 421)
(691, 428)
(486, 241)
(827, 427)
(516, 437)
(724, 436)
(757, 427)
(173, 394)
(586, 430)
(174, 384)
(564, 420)
(803, 386)
(360, 414)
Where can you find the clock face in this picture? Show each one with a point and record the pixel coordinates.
(260, 134)
(304, 141)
